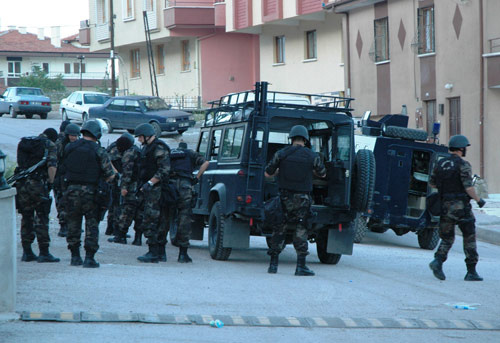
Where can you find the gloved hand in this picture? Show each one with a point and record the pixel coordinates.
(50, 186)
(481, 202)
(195, 181)
(146, 187)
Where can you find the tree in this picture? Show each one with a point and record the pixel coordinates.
(38, 78)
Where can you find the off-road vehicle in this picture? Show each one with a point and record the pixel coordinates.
(404, 160)
(241, 133)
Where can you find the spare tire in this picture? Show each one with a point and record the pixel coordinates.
(363, 180)
(405, 133)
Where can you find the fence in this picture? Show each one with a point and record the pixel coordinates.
(183, 102)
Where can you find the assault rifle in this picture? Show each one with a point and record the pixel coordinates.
(25, 172)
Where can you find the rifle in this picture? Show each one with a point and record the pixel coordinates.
(25, 172)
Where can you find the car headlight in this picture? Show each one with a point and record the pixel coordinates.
(170, 120)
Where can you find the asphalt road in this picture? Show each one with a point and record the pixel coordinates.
(387, 279)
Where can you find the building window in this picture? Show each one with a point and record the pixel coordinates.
(186, 58)
(455, 125)
(67, 68)
(311, 45)
(279, 49)
(83, 68)
(76, 67)
(381, 29)
(149, 5)
(426, 30)
(101, 10)
(14, 69)
(128, 9)
(135, 63)
(160, 59)
(45, 67)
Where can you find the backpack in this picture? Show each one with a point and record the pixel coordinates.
(30, 151)
(273, 212)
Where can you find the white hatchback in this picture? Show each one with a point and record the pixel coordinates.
(76, 106)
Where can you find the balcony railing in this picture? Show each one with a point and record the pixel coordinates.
(102, 31)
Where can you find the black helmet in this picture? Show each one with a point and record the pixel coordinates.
(145, 130)
(129, 137)
(458, 141)
(299, 131)
(123, 144)
(72, 129)
(63, 125)
(92, 127)
(51, 134)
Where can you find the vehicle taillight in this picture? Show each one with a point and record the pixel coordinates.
(45, 103)
(24, 102)
(240, 172)
(239, 198)
(340, 227)
(248, 199)
(251, 221)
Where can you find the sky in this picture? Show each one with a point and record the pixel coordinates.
(34, 14)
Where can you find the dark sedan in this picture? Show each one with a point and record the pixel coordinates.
(24, 100)
(126, 112)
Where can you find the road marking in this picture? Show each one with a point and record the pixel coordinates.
(459, 324)
(404, 322)
(293, 321)
(124, 316)
(181, 319)
(349, 322)
(264, 320)
(375, 322)
(36, 315)
(320, 321)
(484, 325)
(430, 324)
(237, 320)
(207, 319)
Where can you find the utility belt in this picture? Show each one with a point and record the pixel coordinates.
(74, 183)
(284, 191)
(455, 196)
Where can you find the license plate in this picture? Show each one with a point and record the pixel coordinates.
(183, 124)
(35, 103)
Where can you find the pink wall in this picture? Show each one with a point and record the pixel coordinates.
(229, 63)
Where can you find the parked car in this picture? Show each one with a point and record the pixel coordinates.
(126, 112)
(24, 100)
(76, 106)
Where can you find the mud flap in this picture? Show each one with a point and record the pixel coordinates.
(340, 242)
(236, 234)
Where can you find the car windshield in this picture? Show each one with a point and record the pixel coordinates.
(154, 104)
(95, 98)
(29, 91)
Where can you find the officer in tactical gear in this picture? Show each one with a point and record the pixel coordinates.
(129, 169)
(114, 209)
(296, 164)
(33, 200)
(85, 163)
(183, 162)
(154, 171)
(70, 134)
(453, 178)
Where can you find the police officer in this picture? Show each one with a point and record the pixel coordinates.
(129, 166)
(296, 165)
(183, 162)
(154, 171)
(453, 177)
(33, 199)
(114, 209)
(85, 162)
(70, 134)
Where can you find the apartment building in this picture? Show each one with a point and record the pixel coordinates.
(439, 58)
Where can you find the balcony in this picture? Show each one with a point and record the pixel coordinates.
(189, 14)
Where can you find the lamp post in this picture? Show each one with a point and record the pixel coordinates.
(3, 183)
(81, 58)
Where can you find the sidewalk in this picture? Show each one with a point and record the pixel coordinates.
(488, 220)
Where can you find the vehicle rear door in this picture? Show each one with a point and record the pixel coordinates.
(398, 178)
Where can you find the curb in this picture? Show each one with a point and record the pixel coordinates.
(9, 317)
(488, 235)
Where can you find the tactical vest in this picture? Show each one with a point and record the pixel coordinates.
(448, 176)
(148, 165)
(180, 163)
(296, 165)
(30, 151)
(81, 162)
(137, 160)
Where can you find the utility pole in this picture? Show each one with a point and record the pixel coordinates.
(112, 52)
(81, 58)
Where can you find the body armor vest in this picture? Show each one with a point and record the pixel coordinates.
(296, 165)
(180, 163)
(448, 176)
(81, 162)
(148, 165)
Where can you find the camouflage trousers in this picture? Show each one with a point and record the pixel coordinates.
(129, 211)
(181, 214)
(457, 212)
(150, 213)
(61, 212)
(114, 209)
(296, 207)
(80, 203)
(33, 203)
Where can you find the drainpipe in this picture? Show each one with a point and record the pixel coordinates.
(482, 92)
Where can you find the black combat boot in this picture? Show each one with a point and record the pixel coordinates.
(63, 231)
(28, 254)
(151, 256)
(183, 255)
(472, 275)
(118, 239)
(162, 253)
(273, 265)
(76, 259)
(45, 256)
(109, 229)
(437, 268)
(89, 260)
(138, 238)
(302, 269)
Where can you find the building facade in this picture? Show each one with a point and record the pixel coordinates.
(439, 58)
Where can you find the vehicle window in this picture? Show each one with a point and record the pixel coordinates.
(78, 97)
(154, 104)
(117, 105)
(203, 146)
(6, 93)
(132, 106)
(29, 91)
(343, 150)
(231, 145)
(95, 98)
(72, 98)
(215, 144)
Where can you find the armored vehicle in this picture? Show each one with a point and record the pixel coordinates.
(404, 160)
(241, 133)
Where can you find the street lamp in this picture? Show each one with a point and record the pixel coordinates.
(3, 183)
(81, 58)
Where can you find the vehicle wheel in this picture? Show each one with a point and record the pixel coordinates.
(85, 117)
(1, 114)
(64, 115)
(28, 116)
(43, 115)
(405, 133)
(216, 226)
(321, 244)
(157, 129)
(363, 180)
(12, 112)
(131, 131)
(110, 128)
(428, 238)
(360, 228)
(181, 131)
